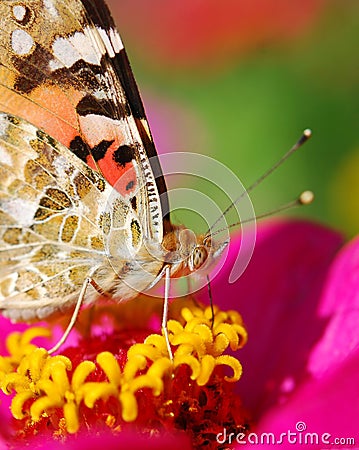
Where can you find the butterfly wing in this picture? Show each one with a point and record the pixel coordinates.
(55, 220)
(64, 69)
(49, 210)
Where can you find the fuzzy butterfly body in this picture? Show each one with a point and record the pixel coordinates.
(82, 196)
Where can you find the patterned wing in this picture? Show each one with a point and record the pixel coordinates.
(54, 224)
(64, 69)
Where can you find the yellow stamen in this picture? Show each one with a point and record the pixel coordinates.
(190, 361)
(129, 406)
(42, 382)
(71, 417)
(110, 366)
(81, 372)
(92, 392)
(148, 350)
(133, 365)
(18, 402)
(233, 363)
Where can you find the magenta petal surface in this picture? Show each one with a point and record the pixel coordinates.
(278, 296)
(339, 306)
(329, 405)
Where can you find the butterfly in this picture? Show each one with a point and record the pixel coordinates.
(84, 208)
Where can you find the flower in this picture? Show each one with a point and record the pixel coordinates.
(299, 301)
(105, 383)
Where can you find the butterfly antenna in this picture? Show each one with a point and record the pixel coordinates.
(304, 137)
(305, 198)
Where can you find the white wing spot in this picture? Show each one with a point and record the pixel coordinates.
(74, 48)
(65, 52)
(55, 65)
(5, 157)
(19, 12)
(49, 5)
(22, 210)
(116, 40)
(111, 40)
(3, 126)
(88, 45)
(106, 40)
(21, 42)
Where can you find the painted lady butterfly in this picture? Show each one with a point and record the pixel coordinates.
(82, 196)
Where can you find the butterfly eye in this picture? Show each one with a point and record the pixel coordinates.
(198, 257)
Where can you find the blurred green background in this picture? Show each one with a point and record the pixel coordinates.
(240, 79)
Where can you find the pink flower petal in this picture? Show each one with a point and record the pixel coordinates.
(339, 307)
(278, 297)
(329, 405)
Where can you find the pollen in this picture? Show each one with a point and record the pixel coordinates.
(44, 385)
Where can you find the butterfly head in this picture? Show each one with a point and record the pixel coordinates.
(192, 252)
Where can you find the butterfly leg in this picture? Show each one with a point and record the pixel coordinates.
(210, 299)
(75, 314)
(165, 311)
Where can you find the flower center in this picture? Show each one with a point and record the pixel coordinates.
(137, 384)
